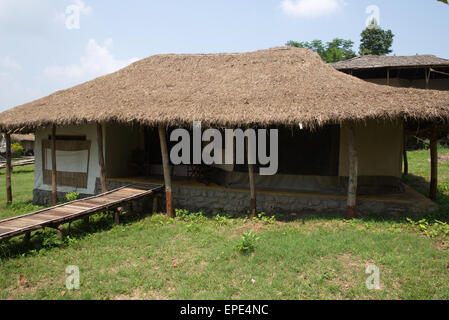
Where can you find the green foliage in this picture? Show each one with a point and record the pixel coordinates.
(444, 1)
(264, 217)
(247, 242)
(18, 150)
(50, 240)
(72, 196)
(375, 40)
(333, 51)
(186, 215)
(431, 230)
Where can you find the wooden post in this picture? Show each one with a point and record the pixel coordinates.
(404, 153)
(433, 167)
(252, 187)
(59, 230)
(53, 166)
(427, 74)
(155, 206)
(117, 213)
(27, 238)
(388, 77)
(8, 169)
(353, 173)
(167, 177)
(104, 187)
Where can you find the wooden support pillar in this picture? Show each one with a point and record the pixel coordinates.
(155, 204)
(252, 184)
(388, 77)
(59, 230)
(404, 153)
(427, 74)
(117, 213)
(104, 187)
(167, 177)
(8, 169)
(27, 238)
(53, 166)
(433, 167)
(353, 173)
(252, 187)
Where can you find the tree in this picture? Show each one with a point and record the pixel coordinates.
(333, 51)
(445, 1)
(375, 40)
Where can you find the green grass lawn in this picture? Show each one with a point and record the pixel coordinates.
(196, 257)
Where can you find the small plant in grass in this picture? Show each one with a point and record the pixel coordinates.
(263, 216)
(186, 215)
(72, 196)
(430, 230)
(221, 219)
(247, 242)
(50, 240)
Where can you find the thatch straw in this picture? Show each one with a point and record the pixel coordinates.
(277, 86)
(374, 62)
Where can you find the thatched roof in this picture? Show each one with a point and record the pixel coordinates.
(23, 137)
(374, 62)
(282, 85)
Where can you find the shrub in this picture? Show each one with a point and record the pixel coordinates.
(18, 150)
(72, 196)
(247, 242)
(186, 215)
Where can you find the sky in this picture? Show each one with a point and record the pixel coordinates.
(49, 45)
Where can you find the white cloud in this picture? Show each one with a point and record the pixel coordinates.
(311, 8)
(9, 63)
(96, 61)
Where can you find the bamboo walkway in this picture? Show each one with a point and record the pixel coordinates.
(19, 163)
(55, 216)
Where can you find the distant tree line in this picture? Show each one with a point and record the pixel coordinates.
(374, 41)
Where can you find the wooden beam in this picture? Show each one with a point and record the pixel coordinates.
(427, 74)
(166, 166)
(252, 183)
(104, 187)
(8, 168)
(53, 166)
(252, 187)
(404, 153)
(433, 167)
(353, 173)
(388, 77)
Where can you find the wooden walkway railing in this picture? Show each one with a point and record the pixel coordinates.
(55, 216)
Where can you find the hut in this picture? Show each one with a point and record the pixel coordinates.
(26, 141)
(339, 138)
(419, 71)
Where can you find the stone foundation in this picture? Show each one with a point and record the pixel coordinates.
(44, 198)
(214, 200)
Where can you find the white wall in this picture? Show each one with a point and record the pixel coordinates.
(90, 131)
(379, 148)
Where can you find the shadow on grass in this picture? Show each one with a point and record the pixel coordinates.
(46, 239)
